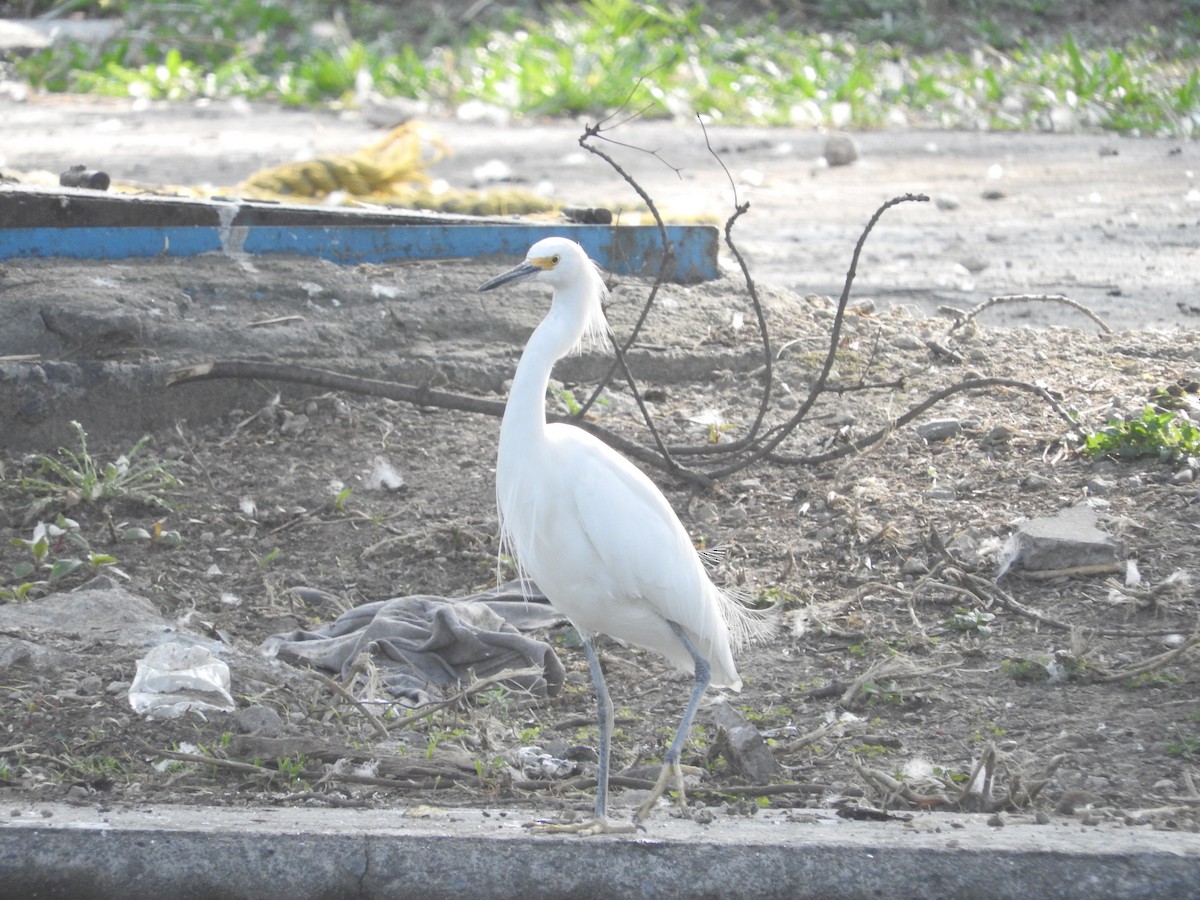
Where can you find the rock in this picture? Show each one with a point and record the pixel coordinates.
(905, 341)
(1035, 481)
(259, 720)
(100, 328)
(939, 429)
(99, 610)
(1066, 541)
(840, 150)
(1098, 486)
(1000, 434)
(744, 745)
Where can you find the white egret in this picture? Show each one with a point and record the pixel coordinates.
(595, 534)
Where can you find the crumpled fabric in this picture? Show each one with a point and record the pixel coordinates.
(426, 644)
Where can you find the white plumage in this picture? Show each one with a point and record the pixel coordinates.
(594, 533)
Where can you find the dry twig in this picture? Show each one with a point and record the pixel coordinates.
(1030, 298)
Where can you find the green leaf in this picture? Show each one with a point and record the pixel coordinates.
(170, 539)
(61, 568)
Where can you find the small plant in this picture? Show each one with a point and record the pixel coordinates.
(993, 731)
(976, 620)
(292, 767)
(55, 551)
(873, 750)
(1166, 435)
(1151, 680)
(1025, 671)
(155, 536)
(73, 477)
(1186, 745)
(874, 692)
(495, 698)
(567, 398)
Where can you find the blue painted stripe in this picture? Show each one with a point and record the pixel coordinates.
(624, 250)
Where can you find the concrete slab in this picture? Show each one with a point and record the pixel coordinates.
(1067, 540)
(59, 851)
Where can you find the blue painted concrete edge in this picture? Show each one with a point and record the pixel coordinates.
(623, 250)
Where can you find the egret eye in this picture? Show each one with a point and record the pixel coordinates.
(554, 259)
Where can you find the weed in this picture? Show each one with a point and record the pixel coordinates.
(73, 477)
(292, 767)
(976, 620)
(877, 693)
(55, 551)
(155, 536)
(567, 398)
(1166, 435)
(993, 731)
(1151, 680)
(529, 735)
(873, 750)
(1185, 745)
(1025, 671)
(495, 698)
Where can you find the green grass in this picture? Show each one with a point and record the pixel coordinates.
(885, 61)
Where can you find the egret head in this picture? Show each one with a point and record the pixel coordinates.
(556, 261)
(579, 291)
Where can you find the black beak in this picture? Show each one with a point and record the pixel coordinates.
(523, 271)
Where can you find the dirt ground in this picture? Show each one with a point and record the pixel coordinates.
(898, 664)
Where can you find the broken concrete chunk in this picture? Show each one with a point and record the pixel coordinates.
(1069, 540)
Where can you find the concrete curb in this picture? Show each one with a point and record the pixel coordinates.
(59, 851)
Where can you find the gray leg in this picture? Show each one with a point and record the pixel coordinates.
(671, 759)
(605, 717)
(703, 676)
(599, 823)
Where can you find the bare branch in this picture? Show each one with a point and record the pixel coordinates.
(1030, 298)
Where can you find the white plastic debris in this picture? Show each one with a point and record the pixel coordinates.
(535, 763)
(492, 171)
(384, 475)
(176, 678)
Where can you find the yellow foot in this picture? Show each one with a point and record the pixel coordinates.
(668, 771)
(584, 828)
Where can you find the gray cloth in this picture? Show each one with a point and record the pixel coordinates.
(425, 644)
